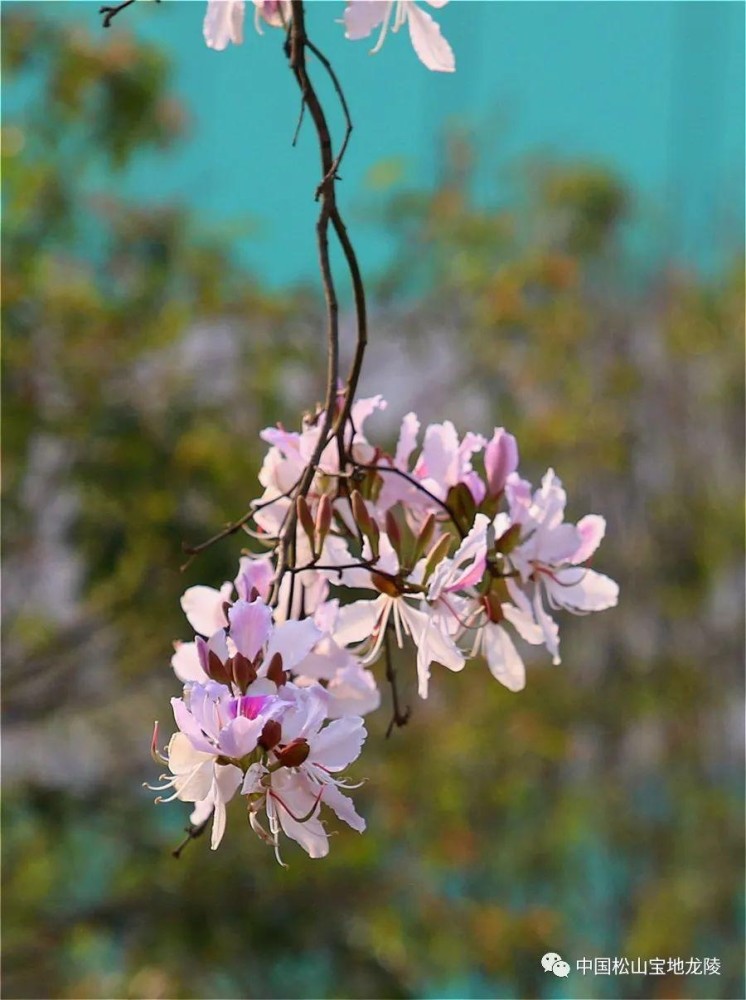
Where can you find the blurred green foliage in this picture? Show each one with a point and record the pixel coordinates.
(599, 813)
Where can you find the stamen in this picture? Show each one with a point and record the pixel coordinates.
(298, 819)
(384, 29)
(154, 751)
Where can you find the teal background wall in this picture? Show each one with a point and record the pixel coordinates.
(653, 90)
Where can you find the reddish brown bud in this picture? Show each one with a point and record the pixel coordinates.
(271, 735)
(244, 672)
(384, 584)
(493, 607)
(275, 672)
(294, 753)
(216, 669)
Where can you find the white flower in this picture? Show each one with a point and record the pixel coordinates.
(197, 777)
(362, 16)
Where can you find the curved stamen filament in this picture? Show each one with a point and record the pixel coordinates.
(384, 29)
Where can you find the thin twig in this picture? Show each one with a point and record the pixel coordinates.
(192, 833)
(110, 11)
(345, 110)
(417, 485)
(398, 718)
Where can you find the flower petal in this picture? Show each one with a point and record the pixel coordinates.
(591, 529)
(503, 658)
(343, 806)
(339, 744)
(362, 16)
(223, 23)
(432, 49)
(203, 607)
(293, 640)
(186, 664)
(250, 626)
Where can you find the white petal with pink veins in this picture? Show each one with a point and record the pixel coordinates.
(290, 802)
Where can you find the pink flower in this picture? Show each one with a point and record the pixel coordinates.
(550, 552)
(297, 776)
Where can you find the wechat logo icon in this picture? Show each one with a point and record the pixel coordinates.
(553, 962)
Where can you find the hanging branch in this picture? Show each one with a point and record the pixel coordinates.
(296, 44)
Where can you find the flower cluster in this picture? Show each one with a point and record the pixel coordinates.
(440, 546)
(224, 24)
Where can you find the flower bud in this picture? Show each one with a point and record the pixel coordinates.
(436, 555)
(500, 460)
(294, 753)
(384, 584)
(323, 519)
(366, 524)
(271, 735)
(306, 521)
(493, 606)
(509, 539)
(461, 502)
(360, 512)
(393, 531)
(425, 536)
(244, 672)
(275, 672)
(216, 670)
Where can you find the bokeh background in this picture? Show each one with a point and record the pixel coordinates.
(552, 240)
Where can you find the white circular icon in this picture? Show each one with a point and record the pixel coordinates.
(554, 963)
(549, 959)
